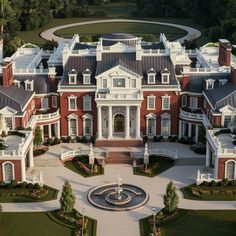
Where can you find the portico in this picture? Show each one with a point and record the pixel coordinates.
(118, 122)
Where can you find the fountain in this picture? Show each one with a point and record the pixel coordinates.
(118, 196)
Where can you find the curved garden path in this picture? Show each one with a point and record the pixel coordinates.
(192, 33)
(115, 223)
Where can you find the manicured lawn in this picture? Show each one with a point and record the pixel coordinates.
(38, 224)
(132, 28)
(73, 165)
(157, 166)
(11, 195)
(188, 194)
(195, 223)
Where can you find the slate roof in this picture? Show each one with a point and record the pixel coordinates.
(222, 96)
(41, 82)
(159, 45)
(122, 36)
(197, 81)
(82, 46)
(14, 97)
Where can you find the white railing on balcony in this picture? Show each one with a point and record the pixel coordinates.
(191, 52)
(206, 122)
(156, 52)
(35, 179)
(204, 177)
(30, 71)
(164, 152)
(42, 117)
(108, 96)
(206, 70)
(191, 115)
(91, 51)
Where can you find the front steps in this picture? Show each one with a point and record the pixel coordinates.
(119, 158)
(119, 143)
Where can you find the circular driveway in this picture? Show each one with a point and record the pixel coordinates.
(192, 33)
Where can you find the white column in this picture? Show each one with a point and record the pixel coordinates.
(110, 126)
(196, 133)
(58, 130)
(208, 153)
(42, 131)
(31, 156)
(180, 129)
(137, 128)
(189, 130)
(23, 170)
(99, 124)
(127, 123)
(49, 131)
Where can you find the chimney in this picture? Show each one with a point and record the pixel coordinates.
(7, 72)
(185, 82)
(225, 49)
(52, 78)
(233, 75)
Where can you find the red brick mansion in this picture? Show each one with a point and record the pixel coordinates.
(119, 89)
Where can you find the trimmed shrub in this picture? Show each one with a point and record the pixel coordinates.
(30, 186)
(92, 139)
(13, 183)
(77, 139)
(182, 140)
(204, 183)
(226, 181)
(157, 139)
(63, 140)
(84, 139)
(56, 141)
(145, 139)
(189, 141)
(213, 183)
(232, 183)
(68, 139)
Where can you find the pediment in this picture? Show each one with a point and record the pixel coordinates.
(227, 108)
(8, 111)
(120, 47)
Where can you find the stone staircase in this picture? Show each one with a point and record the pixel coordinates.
(119, 143)
(119, 158)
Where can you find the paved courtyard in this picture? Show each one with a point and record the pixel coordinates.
(116, 223)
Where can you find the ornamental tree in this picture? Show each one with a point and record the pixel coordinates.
(171, 198)
(37, 137)
(67, 199)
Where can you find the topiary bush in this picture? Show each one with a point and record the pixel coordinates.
(204, 183)
(77, 139)
(145, 139)
(92, 139)
(213, 183)
(84, 139)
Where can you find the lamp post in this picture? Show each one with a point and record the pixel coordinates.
(83, 216)
(154, 221)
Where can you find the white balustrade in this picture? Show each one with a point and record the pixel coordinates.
(108, 96)
(191, 115)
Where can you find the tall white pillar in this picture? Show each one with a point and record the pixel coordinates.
(31, 156)
(137, 128)
(49, 131)
(42, 131)
(99, 124)
(58, 130)
(110, 126)
(180, 129)
(189, 130)
(208, 154)
(23, 170)
(127, 123)
(196, 133)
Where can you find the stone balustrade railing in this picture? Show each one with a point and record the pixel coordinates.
(164, 152)
(156, 52)
(191, 115)
(204, 177)
(91, 51)
(30, 71)
(187, 70)
(108, 96)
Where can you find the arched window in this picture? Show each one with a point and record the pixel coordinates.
(8, 171)
(230, 170)
(73, 127)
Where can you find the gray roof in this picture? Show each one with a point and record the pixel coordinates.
(222, 96)
(159, 45)
(82, 46)
(14, 97)
(41, 82)
(117, 36)
(197, 81)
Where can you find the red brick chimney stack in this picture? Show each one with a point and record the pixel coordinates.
(225, 50)
(7, 72)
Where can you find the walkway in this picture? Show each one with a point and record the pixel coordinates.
(49, 34)
(115, 223)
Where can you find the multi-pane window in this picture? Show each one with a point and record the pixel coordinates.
(133, 83)
(184, 101)
(87, 103)
(165, 103)
(87, 127)
(151, 127)
(29, 85)
(104, 83)
(165, 78)
(72, 79)
(210, 84)
(44, 103)
(87, 79)
(227, 120)
(193, 103)
(165, 126)
(119, 82)
(73, 127)
(8, 122)
(151, 102)
(72, 103)
(151, 78)
(54, 101)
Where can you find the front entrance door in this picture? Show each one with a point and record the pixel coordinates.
(119, 123)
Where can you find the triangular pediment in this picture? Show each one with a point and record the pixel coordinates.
(120, 47)
(227, 108)
(7, 111)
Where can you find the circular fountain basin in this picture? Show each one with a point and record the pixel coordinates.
(105, 197)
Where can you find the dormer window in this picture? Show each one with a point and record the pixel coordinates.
(165, 76)
(222, 82)
(16, 83)
(87, 76)
(209, 84)
(72, 76)
(29, 85)
(151, 76)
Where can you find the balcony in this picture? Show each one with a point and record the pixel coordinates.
(191, 115)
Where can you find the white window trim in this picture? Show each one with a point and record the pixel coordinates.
(154, 117)
(54, 101)
(31, 83)
(168, 78)
(16, 83)
(234, 168)
(190, 105)
(131, 84)
(84, 99)
(70, 98)
(162, 101)
(120, 77)
(84, 78)
(164, 116)
(47, 103)
(153, 97)
(208, 82)
(151, 74)
(70, 117)
(73, 76)
(103, 83)
(3, 170)
(184, 101)
(88, 117)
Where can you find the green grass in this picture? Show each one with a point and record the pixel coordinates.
(195, 223)
(165, 164)
(212, 197)
(52, 194)
(38, 224)
(132, 28)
